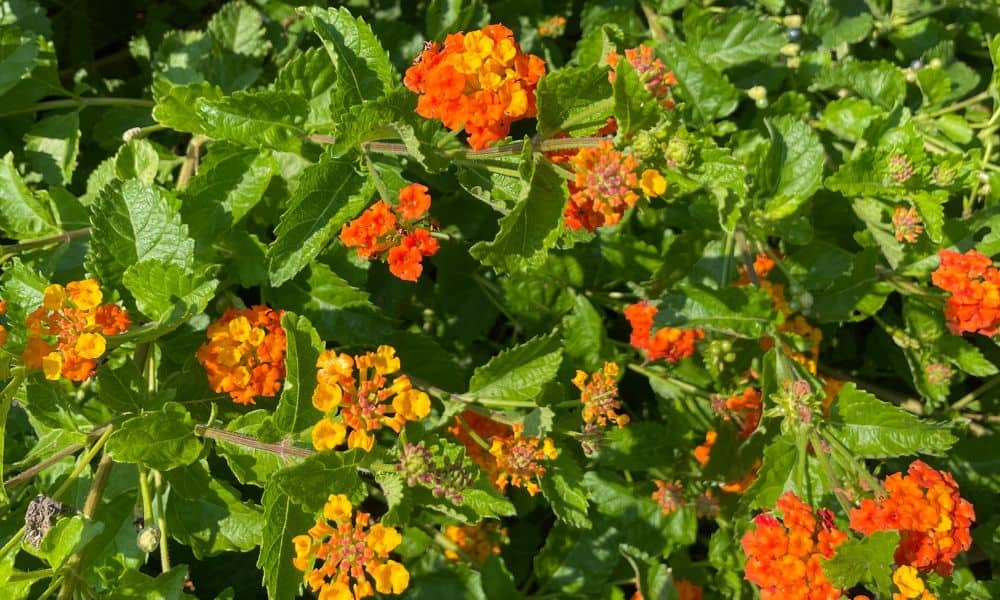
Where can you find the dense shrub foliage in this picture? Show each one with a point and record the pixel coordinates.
(469, 299)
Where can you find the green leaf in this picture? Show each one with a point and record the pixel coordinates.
(796, 161)
(867, 560)
(255, 118)
(238, 28)
(132, 222)
(249, 465)
(18, 56)
(331, 472)
(561, 487)
(640, 445)
(450, 16)
(52, 145)
(635, 107)
(166, 586)
(837, 22)
(283, 520)
(875, 429)
(137, 159)
(167, 293)
(312, 76)
(584, 336)
(779, 473)
(848, 117)
(707, 93)
(498, 583)
(741, 311)
(329, 194)
(965, 356)
(854, 295)
(67, 536)
(734, 37)
(122, 389)
(995, 58)
(653, 578)
(574, 100)
(23, 215)
(229, 183)
(363, 67)
(208, 516)
(518, 374)
(175, 104)
(879, 82)
(295, 410)
(160, 440)
(532, 227)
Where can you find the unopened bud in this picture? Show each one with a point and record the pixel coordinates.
(790, 49)
(792, 21)
(757, 92)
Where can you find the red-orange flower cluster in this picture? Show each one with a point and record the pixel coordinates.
(480, 80)
(745, 410)
(66, 334)
(471, 425)
(245, 353)
(603, 187)
(653, 74)
(925, 507)
(974, 285)
(667, 342)
(784, 556)
(395, 232)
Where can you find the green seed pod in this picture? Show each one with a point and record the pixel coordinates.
(678, 152)
(644, 145)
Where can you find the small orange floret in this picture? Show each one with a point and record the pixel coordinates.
(667, 343)
(480, 80)
(245, 354)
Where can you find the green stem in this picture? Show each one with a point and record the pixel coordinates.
(824, 463)
(472, 433)
(683, 385)
(137, 133)
(283, 450)
(12, 249)
(161, 522)
(31, 575)
(653, 19)
(55, 585)
(727, 258)
(83, 462)
(954, 107)
(80, 103)
(501, 151)
(974, 394)
(13, 542)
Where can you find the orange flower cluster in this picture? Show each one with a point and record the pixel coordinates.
(66, 334)
(974, 285)
(669, 495)
(925, 507)
(245, 353)
(603, 187)
(907, 224)
(355, 394)
(745, 410)
(519, 459)
(784, 556)
(350, 552)
(471, 425)
(687, 590)
(599, 396)
(395, 233)
(477, 542)
(668, 343)
(553, 26)
(703, 452)
(653, 74)
(480, 80)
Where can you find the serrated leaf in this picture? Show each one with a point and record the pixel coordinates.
(965, 356)
(18, 56)
(238, 28)
(574, 100)
(875, 429)
(532, 227)
(796, 159)
(498, 583)
(52, 145)
(848, 117)
(519, 373)
(879, 82)
(866, 560)
(283, 520)
(160, 440)
(295, 410)
(207, 515)
(635, 107)
(329, 194)
(255, 118)
(132, 222)
(23, 215)
(741, 311)
(584, 335)
(331, 472)
(855, 294)
(363, 67)
(706, 92)
(734, 37)
(67, 536)
(777, 475)
(167, 293)
(561, 487)
(175, 104)
(312, 76)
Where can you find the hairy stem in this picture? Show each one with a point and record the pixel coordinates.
(284, 450)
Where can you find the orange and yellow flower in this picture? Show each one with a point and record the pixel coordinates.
(669, 495)
(357, 396)
(67, 333)
(667, 343)
(784, 557)
(931, 516)
(480, 80)
(603, 188)
(519, 459)
(476, 542)
(974, 285)
(352, 554)
(599, 395)
(245, 353)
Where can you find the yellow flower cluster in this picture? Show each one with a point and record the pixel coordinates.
(356, 395)
(350, 551)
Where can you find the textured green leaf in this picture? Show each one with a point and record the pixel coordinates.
(122, 389)
(331, 472)
(707, 93)
(584, 336)
(137, 159)
(498, 583)
(132, 222)
(238, 28)
(867, 560)
(67, 536)
(295, 410)
(777, 475)
(23, 215)
(329, 194)
(166, 586)
(741, 311)
(995, 57)
(837, 22)
(207, 515)
(363, 67)
(161, 440)
(249, 465)
(875, 429)
(532, 227)
(167, 293)
(518, 373)
(855, 294)
(653, 578)
(848, 117)
(879, 82)
(450, 16)
(561, 487)
(797, 156)
(52, 145)
(965, 356)
(574, 100)
(255, 118)
(312, 76)
(635, 107)
(734, 37)
(18, 55)
(175, 104)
